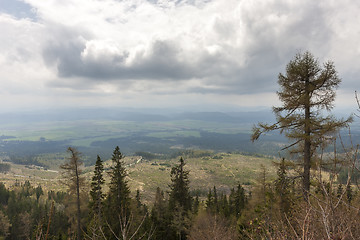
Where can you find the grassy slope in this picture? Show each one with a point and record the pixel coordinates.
(224, 171)
(204, 173)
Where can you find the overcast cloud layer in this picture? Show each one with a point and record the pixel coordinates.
(163, 53)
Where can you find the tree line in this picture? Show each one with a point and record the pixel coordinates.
(274, 208)
(26, 213)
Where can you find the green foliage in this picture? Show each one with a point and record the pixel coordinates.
(28, 216)
(343, 176)
(305, 89)
(4, 194)
(119, 190)
(38, 192)
(118, 200)
(230, 206)
(4, 225)
(196, 205)
(160, 216)
(283, 188)
(4, 167)
(180, 201)
(96, 193)
(179, 187)
(26, 160)
(96, 201)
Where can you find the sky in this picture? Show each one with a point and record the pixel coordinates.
(196, 54)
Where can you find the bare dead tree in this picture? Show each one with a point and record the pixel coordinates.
(75, 182)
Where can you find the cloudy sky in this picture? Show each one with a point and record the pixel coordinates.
(209, 54)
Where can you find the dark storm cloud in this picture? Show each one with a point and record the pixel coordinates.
(164, 62)
(160, 64)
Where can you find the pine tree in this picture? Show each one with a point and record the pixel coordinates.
(180, 199)
(160, 216)
(96, 194)
(140, 221)
(118, 200)
(224, 206)
(210, 201)
(97, 198)
(180, 193)
(38, 192)
(232, 201)
(216, 203)
(306, 89)
(196, 204)
(240, 200)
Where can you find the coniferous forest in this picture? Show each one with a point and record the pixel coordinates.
(314, 194)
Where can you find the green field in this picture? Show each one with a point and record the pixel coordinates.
(94, 137)
(83, 132)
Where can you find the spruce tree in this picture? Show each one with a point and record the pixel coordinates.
(216, 203)
(224, 206)
(97, 199)
(210, 201)
(196, 204)
(118, 200)
(306, 89)
(160, 216)
(180, 200)
(180, 193)
(240, 200)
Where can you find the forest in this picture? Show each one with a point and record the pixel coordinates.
(314, 194)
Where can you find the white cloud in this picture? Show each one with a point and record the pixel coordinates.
(164, 47)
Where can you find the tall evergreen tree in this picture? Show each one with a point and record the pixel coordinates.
(196, 204)
(160, 216)
(180, 193)
(306, 89)
(75, 182)
(240, 200)
(96, 193)
(180, 199)
(216, 203)
(97, 198)
(224, 206)
(209, 201)
(118, 201)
